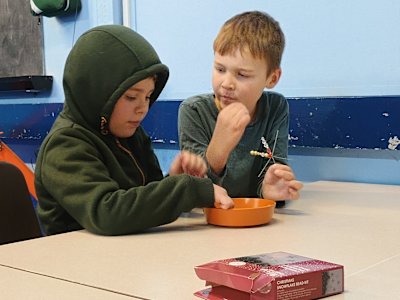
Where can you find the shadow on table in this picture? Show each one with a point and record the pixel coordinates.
(197, 214)
(176, 227)
(289, 211)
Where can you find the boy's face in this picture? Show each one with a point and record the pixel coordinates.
(239, 77)
(131, 108)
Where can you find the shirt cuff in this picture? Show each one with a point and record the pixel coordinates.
(217, 179)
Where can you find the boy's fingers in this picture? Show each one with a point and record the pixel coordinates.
(285, 174)
(235, 114)
(277, 166)
(296, 185)
(243, 121)
(197, 167)
(193, 164)
(203, 167)
(225, 204)
(293, 194)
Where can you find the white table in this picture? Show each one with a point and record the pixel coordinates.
(18, 284)
(356, 225)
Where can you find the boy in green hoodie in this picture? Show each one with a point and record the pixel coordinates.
(224, 127)
(96, 168)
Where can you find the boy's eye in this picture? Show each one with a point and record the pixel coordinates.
(130, 98)
(243, 75)
(219, 69)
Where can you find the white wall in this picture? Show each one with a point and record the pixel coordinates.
(334, 48)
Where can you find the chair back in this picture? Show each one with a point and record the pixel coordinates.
(18, 219)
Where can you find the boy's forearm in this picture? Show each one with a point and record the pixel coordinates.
(216, 158)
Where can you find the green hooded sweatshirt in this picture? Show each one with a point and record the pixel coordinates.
(84, 176)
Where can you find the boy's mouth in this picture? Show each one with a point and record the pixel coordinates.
(134, 123)
(226, 99)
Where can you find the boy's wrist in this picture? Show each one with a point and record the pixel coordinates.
(216, 178)
(216, 161)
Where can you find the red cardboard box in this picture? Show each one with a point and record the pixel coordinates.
(270, 276)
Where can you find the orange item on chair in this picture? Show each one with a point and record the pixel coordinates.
(7, 155)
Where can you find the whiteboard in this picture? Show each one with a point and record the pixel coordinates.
(21, 51)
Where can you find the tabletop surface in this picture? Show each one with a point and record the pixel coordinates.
(18, 284)
(352, 224)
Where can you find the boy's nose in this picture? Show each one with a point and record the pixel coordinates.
(228, 82)
(142, 107)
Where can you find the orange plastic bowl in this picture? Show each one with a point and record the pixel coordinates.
(247, 212)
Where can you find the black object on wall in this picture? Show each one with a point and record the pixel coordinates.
(28, 84)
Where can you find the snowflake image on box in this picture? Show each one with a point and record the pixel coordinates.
(272, 259)
(332, 282)
(272, 276)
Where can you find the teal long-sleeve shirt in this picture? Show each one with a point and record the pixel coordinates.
(196, 124)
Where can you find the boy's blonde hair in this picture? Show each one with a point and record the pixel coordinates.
(256, 31)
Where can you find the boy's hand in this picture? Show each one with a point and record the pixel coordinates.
(280, 183)
(230, 126)
(188, 163)
(221, 198)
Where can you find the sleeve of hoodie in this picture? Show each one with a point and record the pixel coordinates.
(73, 172)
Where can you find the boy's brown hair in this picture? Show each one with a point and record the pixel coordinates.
(256, 31)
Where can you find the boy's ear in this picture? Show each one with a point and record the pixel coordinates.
(273, 78)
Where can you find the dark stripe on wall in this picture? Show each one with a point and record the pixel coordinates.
(350, 123)
(24, 126)
(358, 122)
(345, 123)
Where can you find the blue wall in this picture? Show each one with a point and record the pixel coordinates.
(341, 75)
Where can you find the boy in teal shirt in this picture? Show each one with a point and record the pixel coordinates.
(225, 126)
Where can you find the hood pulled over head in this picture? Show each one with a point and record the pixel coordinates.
(102, 65)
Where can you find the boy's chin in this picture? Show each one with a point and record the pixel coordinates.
(126, 134)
